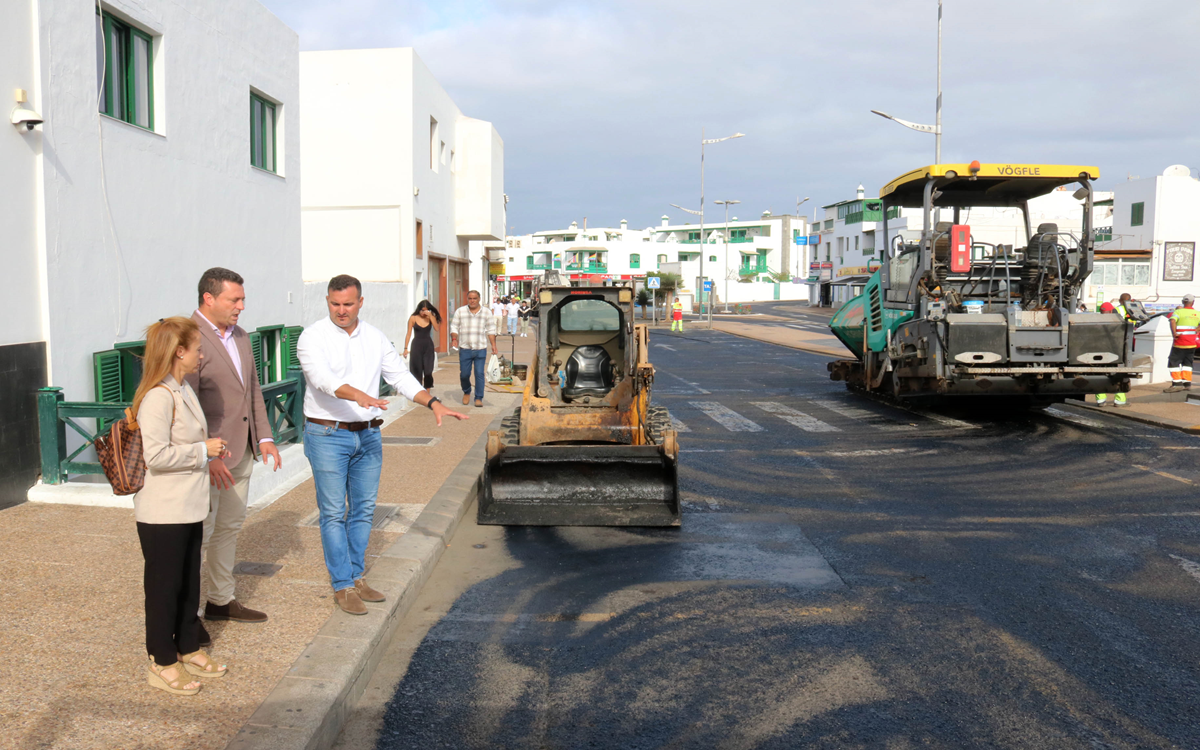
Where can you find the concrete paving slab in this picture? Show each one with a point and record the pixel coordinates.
(91, 558)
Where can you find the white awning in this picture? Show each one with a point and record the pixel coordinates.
(851, 280)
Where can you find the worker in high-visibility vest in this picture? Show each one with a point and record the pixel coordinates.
(1120, 307)
(1184, 322)
(677, 314)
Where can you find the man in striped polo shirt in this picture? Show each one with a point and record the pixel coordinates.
(472, 329)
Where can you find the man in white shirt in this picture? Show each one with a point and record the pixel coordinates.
(343, 359)
(472, 329)
(514, 314)
(497, 308)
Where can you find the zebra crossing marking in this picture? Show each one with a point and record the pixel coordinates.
(726, 417)
(679, 426)
(795, 417)
(853, 412)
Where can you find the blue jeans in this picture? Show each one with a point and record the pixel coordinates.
(467, 358)
(512, 326)
(346, 467)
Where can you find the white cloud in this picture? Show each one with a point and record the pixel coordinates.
(600, 104)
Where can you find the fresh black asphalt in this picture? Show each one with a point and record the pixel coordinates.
(901, 579)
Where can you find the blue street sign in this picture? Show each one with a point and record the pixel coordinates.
(708, 286)
(653, 282)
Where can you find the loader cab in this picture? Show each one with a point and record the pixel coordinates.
(584, 337)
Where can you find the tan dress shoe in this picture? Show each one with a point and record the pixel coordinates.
(350, 602)
(366, 593)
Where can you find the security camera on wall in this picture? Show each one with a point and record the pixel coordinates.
(26, 117)
(21, 115)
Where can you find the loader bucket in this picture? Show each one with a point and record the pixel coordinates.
(580, 485)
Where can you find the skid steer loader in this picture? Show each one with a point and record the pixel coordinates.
(586, 447)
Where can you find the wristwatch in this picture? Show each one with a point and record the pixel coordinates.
(433, 400)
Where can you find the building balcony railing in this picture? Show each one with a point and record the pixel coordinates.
(588, 267)
(285, 412)
(736, 240)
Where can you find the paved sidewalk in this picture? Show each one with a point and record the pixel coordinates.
(1148, 404)
(72, 673)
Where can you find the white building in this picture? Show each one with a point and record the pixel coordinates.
(150, 166)
(1148, 246)
(398, 183)
(755, 264)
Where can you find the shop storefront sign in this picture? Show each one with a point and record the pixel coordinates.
(1178, 260)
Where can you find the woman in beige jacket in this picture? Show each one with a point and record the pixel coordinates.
(172, 504)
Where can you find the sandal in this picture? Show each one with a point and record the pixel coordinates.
(205, 668)
(154, 676)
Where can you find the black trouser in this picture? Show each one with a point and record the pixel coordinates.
(421, 361)
(172, 583)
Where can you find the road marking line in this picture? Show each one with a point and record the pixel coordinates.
(793, 417)
(853, 412)
(880, 452)
(679, 426)
(1192, 569)
(525, 618)
(1163, 474)
(665, 346)
(948, 421)
(686, 382)
(726, 417)
(1067, 417)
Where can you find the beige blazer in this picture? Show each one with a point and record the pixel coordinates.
(176, 488)
(235, 410)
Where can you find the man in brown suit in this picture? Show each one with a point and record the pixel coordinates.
(227, 386)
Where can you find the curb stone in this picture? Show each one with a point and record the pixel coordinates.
(309, 706)
(1134, 417)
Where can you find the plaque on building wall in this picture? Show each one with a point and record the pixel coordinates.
(1178, 260)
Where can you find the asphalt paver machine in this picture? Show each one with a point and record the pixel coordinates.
(585, 447)
(947, 315)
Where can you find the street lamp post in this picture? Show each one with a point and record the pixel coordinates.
(704, 142)
(726, 204)
(936, 128)
(800, 203)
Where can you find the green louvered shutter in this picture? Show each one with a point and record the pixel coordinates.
(291, 344)
(256, 347)
(107, 368)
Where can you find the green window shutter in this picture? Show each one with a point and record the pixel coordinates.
(256, 348)
(1137, 214)
(107, 367)
(291, 344)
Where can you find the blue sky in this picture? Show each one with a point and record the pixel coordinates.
(601, 104)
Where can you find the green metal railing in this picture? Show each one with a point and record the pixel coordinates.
(285, 413)
(588, 267)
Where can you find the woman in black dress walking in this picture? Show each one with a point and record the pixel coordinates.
(421, 325)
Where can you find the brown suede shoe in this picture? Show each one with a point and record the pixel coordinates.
(350, 602)
(466, 398)
(366, 593)
(233, 611)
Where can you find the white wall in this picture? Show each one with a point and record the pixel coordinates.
(479, 181)
(372, 172)
(20, 151)
(181, 199)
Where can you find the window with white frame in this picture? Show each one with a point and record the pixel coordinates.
(125, 71)
(1121, 272)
